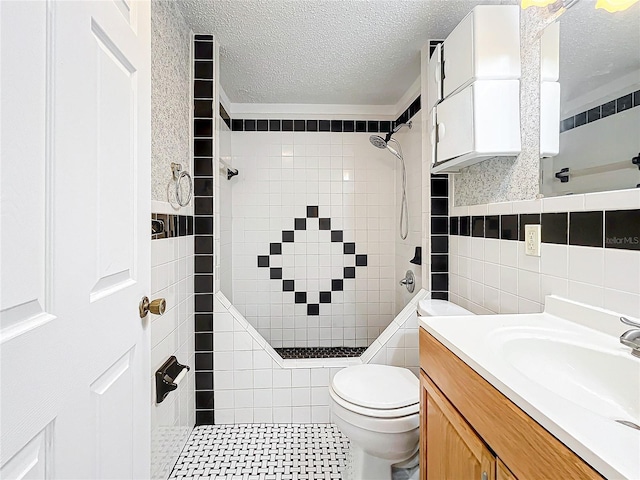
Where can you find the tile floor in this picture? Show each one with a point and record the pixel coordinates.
(310, 451)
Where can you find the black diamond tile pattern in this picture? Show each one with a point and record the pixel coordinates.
(337, 236)
(257, 451)
(319, 352)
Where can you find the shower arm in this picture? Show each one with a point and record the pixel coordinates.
(397, 129)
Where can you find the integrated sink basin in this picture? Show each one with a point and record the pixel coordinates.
(566, 369)
(605, 381)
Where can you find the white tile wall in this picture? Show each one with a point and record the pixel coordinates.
(411, 141)
(172, 334)
(353, 183)
(515, 283)
(254, 385)
(225, 197)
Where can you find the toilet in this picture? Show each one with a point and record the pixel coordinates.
(378, 408)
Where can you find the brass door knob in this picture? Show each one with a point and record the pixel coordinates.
(157, 306)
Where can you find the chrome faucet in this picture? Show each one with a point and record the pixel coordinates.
(631, 338)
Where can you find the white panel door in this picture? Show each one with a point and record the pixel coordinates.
(74, 239)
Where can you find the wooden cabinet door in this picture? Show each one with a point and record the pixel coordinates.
(453, 449)
(503, 473)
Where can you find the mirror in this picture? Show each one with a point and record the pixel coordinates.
(599, 102)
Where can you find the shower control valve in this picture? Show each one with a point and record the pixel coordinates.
(409, 281)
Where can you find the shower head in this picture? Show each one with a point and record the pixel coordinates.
(378, 141)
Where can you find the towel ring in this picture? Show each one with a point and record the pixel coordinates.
(175, 193)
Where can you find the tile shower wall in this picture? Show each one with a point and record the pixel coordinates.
(590, 253)
(314, 225)
(411, 141)
(172, 334)
(226, 201)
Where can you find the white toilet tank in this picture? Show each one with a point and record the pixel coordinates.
(440, 308)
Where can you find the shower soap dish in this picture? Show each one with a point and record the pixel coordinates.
(168, 377)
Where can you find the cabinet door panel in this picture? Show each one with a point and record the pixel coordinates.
(453, 450)
(458, 56)
(434, 78)
(455, 125)
(485, 45)
(503, 473)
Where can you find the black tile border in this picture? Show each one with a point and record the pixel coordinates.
(224, 115)
(440, 224)
(555, 228)
(612, 107)
(321, 125)
(204, 115)
(619, 229)
(171, 225)
(586, 228)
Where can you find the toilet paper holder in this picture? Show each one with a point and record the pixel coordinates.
(168, 377)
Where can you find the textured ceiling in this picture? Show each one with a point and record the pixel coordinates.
(358, 52)
(366, 52)
(597, 47)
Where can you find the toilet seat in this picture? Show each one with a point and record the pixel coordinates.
(374, 412)
(378, 391)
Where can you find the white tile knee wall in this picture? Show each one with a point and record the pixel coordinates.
(172, 334)
(253, 384)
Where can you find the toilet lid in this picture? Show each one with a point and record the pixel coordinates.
(377, 386)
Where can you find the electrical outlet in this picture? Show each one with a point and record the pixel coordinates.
(532, 240)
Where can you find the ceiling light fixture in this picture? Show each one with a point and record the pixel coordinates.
(536, 3)
(613, 6)
(558, 7)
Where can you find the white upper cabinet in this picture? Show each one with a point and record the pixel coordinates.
(474, 87)
(434, 78)
(479, 122)
(550, 91)
(549, 119)
(550, 53)
(484, 46)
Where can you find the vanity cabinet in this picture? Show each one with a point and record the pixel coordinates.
(471, 431)
(502, 472)
(453, 450)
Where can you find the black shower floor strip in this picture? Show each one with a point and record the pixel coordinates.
(319, 352)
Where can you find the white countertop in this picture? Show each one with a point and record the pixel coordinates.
(609, 447)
